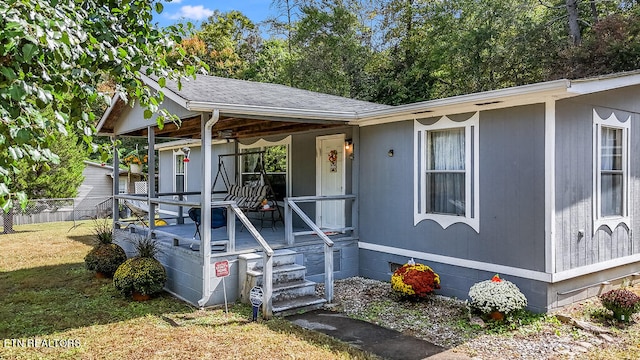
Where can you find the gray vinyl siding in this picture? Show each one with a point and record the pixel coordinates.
(511, 189)
(99, 180)
(194, 168)
(574, 180)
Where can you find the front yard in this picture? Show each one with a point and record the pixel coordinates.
(51, 307)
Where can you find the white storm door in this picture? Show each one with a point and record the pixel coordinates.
(330, 180)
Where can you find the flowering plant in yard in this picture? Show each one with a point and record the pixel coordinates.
(413, 279)
(496, 295)
(622, 302)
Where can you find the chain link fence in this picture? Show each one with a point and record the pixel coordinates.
(52, 210)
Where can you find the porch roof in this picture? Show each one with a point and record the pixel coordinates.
(251, 109)
(246, 108)
(206, 93)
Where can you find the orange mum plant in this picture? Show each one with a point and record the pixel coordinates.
(415, 280)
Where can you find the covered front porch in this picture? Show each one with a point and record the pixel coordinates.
(246, 239)
(222, 122)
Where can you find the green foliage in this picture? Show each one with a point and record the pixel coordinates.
(57, 56)
(103, 231)
(270, 63)
(329, 55)
(514, 321)
(43, 180)
(231, 42)
(403, 51)
(146, 247)
(140, 274)
(612, 45)
(622, 302)
(105, 258)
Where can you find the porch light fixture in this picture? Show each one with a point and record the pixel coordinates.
(390, 153)
(347, 144)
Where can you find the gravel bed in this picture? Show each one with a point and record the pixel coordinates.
(447, 322)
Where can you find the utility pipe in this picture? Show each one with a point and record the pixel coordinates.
(205, 201)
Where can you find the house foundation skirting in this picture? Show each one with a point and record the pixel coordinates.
(184, 266)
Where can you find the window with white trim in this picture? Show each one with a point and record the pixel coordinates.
(179, 171)
(446, 172)
(611, 175)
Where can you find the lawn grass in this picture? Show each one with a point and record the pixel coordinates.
(52, 308)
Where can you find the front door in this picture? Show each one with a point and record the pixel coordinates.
(330, 167)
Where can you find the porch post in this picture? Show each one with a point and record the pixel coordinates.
(205, 203)
(151, 177)
(115, 209)
(549, 187)
(328, 272)
(355, 181)
(288, 223)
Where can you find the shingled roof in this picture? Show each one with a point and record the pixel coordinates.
(250, 108)
(225, 91)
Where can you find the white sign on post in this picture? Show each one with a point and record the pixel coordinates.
(255, 296)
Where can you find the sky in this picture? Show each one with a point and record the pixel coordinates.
(197, 11)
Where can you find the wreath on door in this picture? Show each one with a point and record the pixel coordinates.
(333, 159)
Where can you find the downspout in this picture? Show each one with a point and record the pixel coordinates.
(205, 201)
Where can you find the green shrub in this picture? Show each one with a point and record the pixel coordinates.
(105, 258)
(622, 302)
(146, 247)
(140, 274)
(103, 231)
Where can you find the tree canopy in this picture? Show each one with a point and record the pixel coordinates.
(401, 51)
(54, 54)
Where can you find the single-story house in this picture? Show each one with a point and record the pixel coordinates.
(539, 183)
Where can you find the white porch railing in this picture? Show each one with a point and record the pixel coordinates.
(290, 207)
(232, 211)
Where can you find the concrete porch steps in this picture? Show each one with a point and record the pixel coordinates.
(292, 293)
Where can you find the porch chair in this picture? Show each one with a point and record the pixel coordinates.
(140, 210)
(218, 219)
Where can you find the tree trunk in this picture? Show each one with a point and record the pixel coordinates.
(409, 51)
(8, 222)
(574, 27)
(594, 11)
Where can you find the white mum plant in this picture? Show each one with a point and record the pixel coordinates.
(496, 295)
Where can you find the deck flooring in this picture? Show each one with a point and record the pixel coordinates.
(245, 242)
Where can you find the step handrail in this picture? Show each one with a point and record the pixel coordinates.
(267, 271)
(105, 206)
(328, 246)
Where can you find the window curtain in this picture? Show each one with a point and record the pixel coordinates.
(611, 172)
(446, 172)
